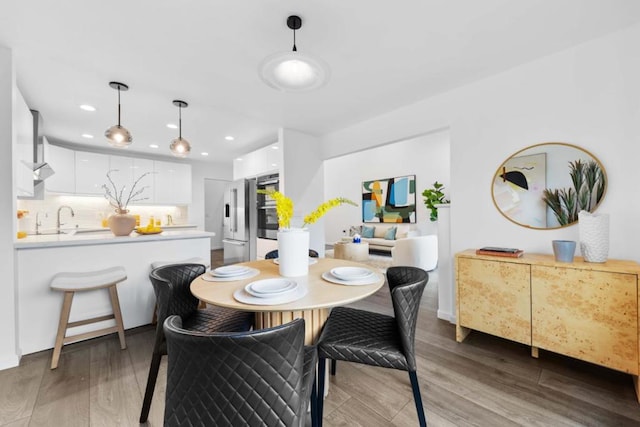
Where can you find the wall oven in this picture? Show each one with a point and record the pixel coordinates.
(267, 216)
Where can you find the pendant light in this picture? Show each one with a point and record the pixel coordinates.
(117, 135)
(180, 147)
(294, 71)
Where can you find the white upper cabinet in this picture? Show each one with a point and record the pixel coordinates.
(23, 157)
(146, 182)
(91, 173)
(259, 162)
(121, 172)
(172, 183)
(62, 161)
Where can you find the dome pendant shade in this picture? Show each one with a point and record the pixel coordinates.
(117, 135)
(293, 71)
(180, 147)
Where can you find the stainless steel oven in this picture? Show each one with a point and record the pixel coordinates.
(267, 216)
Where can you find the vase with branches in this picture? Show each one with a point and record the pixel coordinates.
(122, 224)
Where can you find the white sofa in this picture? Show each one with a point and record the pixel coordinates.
(378, 241)
(419, 251)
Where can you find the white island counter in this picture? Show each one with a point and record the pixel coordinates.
(38, 258)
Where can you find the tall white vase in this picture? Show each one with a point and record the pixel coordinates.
(594, 236)
(293, 252)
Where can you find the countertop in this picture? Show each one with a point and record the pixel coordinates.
(104, 238)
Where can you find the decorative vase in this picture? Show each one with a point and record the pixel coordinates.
(564, 250)
(594, 236)
(121, 223)
(293, 252)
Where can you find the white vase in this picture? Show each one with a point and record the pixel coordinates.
(293, 252)
(594, 236)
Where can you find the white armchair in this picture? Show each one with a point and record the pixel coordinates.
(419, 251)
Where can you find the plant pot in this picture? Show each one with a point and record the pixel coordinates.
(564, 250)
(293, 252)
(121, 223)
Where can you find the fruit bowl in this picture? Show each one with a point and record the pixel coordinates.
(145, 230)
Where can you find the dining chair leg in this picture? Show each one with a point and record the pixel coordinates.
(334, 364)
(418, 398)
(151, 385)
(322, 367)
(314, 404)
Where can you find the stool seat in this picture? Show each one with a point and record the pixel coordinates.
(72, 282)
(84, 281)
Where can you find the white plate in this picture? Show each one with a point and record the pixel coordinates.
(209, 276)
(311, 261)
(351, 273)
(230, 270)
(242, 296)
(374, 278)
(269, 288)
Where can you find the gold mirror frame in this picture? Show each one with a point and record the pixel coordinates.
(531, 189)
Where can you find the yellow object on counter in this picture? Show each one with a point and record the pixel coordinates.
(137, 220)
(158, 223)
(105, 222)
(22, 234)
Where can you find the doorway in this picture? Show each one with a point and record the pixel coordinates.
(213, 209)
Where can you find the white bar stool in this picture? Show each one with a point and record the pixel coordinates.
(70, 283)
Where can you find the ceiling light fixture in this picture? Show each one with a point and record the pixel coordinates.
(172, 126)
(87, 135)
(180, 147)
(153, 145)
(293, 71)
(87, 107)
(117, 135)
(229, 138)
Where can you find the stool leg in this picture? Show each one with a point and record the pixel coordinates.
(115, 303)
(62, 328)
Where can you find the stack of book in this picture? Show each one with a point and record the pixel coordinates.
(496, 251)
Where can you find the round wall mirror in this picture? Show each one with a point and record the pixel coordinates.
(545, 186)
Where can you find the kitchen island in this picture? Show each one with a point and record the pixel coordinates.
(38, 258)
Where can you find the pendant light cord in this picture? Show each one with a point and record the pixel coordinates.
(295, 49)
(119, 106)
(180, 121)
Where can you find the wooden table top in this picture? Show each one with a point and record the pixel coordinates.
(321, 294)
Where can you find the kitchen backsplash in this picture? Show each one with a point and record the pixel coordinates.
(89, 212)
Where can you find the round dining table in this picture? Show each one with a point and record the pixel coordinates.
(313, 307)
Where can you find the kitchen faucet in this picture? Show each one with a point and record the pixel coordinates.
(38, 222)
(58, 223)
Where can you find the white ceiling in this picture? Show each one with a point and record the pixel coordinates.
(382, 54)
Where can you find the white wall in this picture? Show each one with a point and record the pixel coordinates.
(426, 157)
(302, 179)
(8, 301)
(588, 95)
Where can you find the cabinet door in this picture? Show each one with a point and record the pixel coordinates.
(143, 174)
(121, 172)
(23, 157)
(172, 183)
(494, 297)
(589, 315)
(62, 161)
(91, 172)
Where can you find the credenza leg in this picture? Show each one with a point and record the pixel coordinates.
(636, 385)
(534, 352)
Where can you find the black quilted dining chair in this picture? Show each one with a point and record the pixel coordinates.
(274, 254)
(265, 377)
(376, 339)
(171, 286)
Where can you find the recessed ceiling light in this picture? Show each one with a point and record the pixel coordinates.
(229, 138)
(274, 147)
(153, 145)
(204, 154)
(87, 107)
(88, 136)
(274, 164)
(172, 126)
(239, 159)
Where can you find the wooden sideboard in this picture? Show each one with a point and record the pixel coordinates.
(588, 311)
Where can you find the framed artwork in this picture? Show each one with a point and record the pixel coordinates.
(390, 200)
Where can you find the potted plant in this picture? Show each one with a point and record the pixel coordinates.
(432, 197)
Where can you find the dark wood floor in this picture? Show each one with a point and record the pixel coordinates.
(485, 381)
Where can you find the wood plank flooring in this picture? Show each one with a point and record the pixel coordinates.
(485, 381)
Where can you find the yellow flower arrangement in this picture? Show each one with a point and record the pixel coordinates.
(284, 208)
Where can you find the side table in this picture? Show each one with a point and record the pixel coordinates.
(351, 251)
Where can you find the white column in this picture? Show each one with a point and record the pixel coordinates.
(446, 285)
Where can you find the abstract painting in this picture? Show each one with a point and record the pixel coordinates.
(391, 200)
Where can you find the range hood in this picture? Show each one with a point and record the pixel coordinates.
(41, 169)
